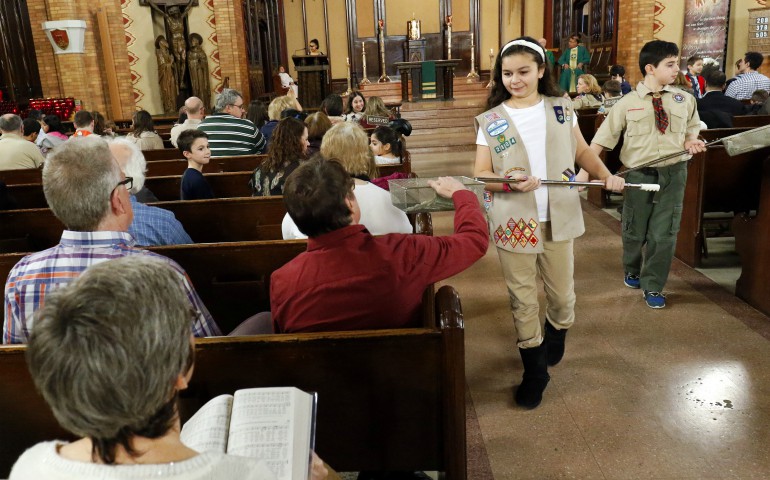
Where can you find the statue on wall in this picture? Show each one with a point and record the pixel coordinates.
(175, 25)
(166, 75)
(197, 63)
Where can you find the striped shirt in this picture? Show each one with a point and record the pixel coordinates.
(745, 84)
(229, 135)
(36, 274)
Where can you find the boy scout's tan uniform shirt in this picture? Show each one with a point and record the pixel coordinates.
(643, 142)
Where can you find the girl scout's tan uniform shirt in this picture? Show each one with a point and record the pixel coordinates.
(513, 220)
(643, 142)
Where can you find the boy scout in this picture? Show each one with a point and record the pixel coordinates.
(658, 120)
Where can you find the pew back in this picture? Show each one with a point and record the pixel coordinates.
(388, 399)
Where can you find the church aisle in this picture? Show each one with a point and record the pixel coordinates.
(641, 394)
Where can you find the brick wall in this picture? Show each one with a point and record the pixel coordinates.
(635, 27)
(83, 76)
(232, 44)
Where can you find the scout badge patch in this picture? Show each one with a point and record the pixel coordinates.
(568, 175)
(559, 113)
(497, 127)
(567, 114)
(491, 117)
(678, 98)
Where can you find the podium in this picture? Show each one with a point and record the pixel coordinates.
(312, 76)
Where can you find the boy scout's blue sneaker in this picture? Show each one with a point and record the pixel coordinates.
(654, 299)
(631, 280)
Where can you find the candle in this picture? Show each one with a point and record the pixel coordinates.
(491, 52)
(347, 60)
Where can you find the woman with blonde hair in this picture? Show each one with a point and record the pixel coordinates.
(375, 107)
(318, 124)
(274, 110)
(347, 143)
(589, 93)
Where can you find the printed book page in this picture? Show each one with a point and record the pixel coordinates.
(207, 430)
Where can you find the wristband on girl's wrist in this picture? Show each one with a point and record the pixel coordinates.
(507, 186)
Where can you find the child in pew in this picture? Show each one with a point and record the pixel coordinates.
(351, 280)
(194, 145)
(136, 323)
(529, 132)
(347, 143)
(657, 119)
(612, 94)
(388, 146)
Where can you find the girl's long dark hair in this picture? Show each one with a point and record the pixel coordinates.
(545, 86)
(388, 136)
(285, 146)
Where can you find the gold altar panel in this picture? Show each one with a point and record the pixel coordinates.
(488, 32)
(398, 12)
(338, 38)
(461, 15)
(365, 18)
(316, 28)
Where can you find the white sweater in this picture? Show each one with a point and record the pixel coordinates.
(43, 461)
(378, 214)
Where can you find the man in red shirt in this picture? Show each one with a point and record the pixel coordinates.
(350, 280)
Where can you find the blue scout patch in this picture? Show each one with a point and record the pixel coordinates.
(491, 117)
(497, 127)
(559, 113)
(678, 98)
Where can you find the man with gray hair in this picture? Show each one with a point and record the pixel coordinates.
(152, 225)
(196, 111)
(229, 133)
(87, 191)
(15, 151)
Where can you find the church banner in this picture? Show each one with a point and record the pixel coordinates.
(705, 31)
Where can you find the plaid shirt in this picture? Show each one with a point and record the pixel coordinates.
(37, 274)
(746, 84)
(155, 226)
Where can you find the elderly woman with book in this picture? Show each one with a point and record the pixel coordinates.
(110, 354)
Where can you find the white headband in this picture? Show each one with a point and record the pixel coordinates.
(524, 43)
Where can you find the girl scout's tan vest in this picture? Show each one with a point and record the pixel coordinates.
(513, 220)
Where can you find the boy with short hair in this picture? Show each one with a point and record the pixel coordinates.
(618, 72)
(194, 145)
(658, 120)
(694, 69)
(612, 93)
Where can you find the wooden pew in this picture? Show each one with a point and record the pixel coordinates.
(750, 121)
(232, 279)
(245, 163)
(388, 399)
(166, 188)
(716, 182)
(752, 242)
(206, 221)
(21, 176)
(163, 154)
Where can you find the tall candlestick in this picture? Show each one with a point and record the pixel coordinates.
(365, 81)
(449, 41)
(349, 90)
(491, 69)
(384, 76)
(472, 75)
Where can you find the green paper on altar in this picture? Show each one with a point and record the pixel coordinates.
(428, 79)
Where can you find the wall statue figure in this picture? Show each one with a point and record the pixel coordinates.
(197, 63)
(166, 75)
(175, 26)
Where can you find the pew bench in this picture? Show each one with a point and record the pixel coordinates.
(716, 183)
(387, 399)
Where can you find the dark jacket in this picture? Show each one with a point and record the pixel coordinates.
(716, 100)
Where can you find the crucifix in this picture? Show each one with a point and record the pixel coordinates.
(174, 13)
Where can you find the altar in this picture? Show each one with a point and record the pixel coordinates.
(444, 79)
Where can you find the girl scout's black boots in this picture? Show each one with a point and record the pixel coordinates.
(554, 339)
(535, 379)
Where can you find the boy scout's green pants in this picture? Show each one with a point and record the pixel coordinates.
(651, 223)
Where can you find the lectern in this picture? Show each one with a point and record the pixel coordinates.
(312, 76)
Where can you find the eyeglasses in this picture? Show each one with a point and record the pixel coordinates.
(128, 182)
(237, 106)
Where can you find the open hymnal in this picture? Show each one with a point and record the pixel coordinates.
(275, 425)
